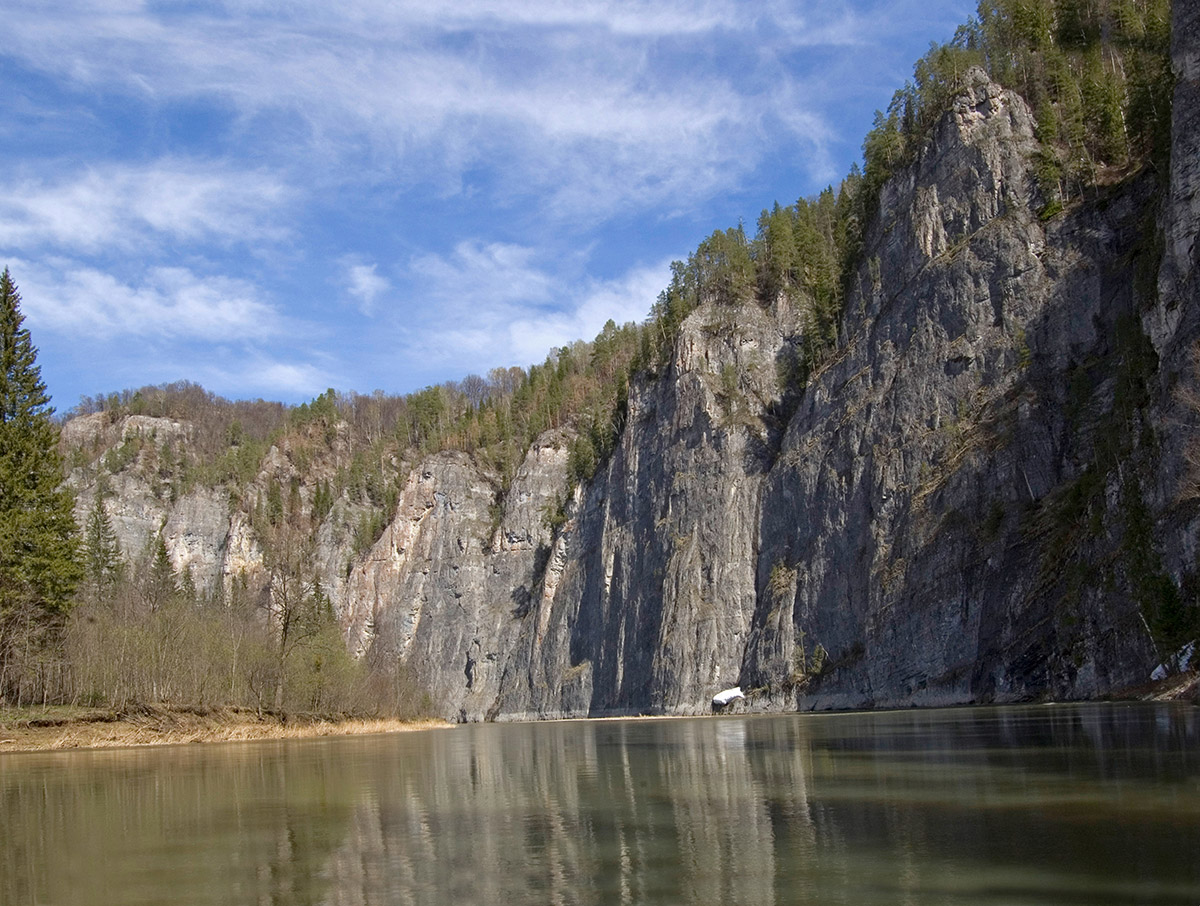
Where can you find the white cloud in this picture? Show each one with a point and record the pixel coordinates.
(648, 18)
(626, 298)
(600, 105)
(297, 130)
(126, 205)
(480, 276)
(292, 379)
(495, 304)
(168, 302)
(363, 283)
(171, 324)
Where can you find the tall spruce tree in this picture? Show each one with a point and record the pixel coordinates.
(103, 567)
(39, 565)
(158, 575)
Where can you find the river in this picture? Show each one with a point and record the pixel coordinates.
(1062, 804)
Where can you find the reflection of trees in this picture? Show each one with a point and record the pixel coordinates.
(912, 807)
(248, 823)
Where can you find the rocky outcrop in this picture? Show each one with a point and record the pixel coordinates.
(974, 499)
(920, 486)
(135, 457)
(1181, 214)
(446, 589)
(649, 594)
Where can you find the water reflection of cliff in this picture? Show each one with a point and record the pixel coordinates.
(915, 807)
(991, 805)
(612, 812)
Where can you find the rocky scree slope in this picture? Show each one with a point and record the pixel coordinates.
(975, 498)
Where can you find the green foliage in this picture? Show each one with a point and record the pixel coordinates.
(818, 661)
(799, 251)
(323, 410)
(805, 666)
(582, 459)
(990, 529)
(554, 513)
(1076, 523)
(368, 530)
(202, 653)
(1024, 353)
(721, 268)
(39, 565)
(101, 553)
(781, 583)
(274, 509)
(157, 575)
(1097, 76)
(322, 501)
(321, 675)
(728, 393)
(120, 457)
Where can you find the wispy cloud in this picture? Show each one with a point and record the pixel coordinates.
(170, 324)
(480, 276)
(167, 302)
(363, 283)
(127, 205)
(640, 17)
(623, 299)
(611, 103)
(293, 379)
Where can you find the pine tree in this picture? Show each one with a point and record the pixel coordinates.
(187, 586)
(39, 565)
(158, 582)
(101, 550)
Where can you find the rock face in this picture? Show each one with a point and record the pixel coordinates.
(195, 525)
(445, 591)
(649, 594)
(1181, 220)
(968, 503)
(918, 490)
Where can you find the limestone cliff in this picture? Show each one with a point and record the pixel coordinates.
(975, 498)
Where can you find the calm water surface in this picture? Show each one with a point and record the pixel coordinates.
(1090, 804)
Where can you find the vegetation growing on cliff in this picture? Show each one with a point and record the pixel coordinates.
(1097, 76)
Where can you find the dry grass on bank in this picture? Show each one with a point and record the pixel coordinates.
(46, 729)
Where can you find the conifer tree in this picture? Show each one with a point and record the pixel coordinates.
(39, 565)
(187, 586)
(158, 581)
(101, 550)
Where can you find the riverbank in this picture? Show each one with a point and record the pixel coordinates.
(66, 727)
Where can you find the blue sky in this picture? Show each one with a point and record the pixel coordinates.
(273, 197)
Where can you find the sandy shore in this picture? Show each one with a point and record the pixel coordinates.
(39, 730)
